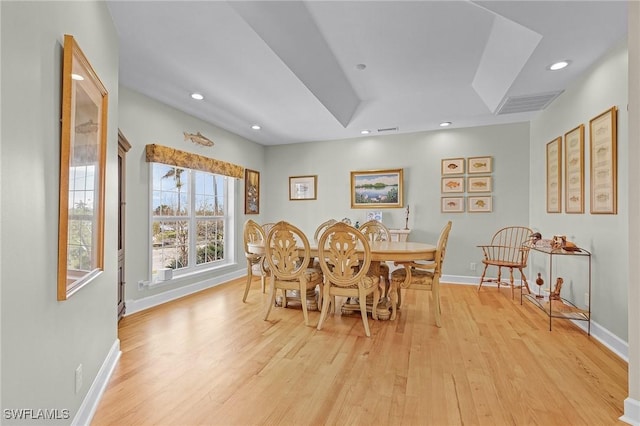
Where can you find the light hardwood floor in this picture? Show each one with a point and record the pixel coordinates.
(209, 359)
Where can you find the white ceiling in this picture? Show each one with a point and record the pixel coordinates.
(291, 66)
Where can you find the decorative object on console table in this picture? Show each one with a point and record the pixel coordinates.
(251, 192)
(83, 145)
(376, 188)
(406, 219)
(540, 283)
(604, 170)
(554, 182)
(302, 187)
(574, 170)
(480, 165)
(374, 215)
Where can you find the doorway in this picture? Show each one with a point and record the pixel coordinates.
(123, 147)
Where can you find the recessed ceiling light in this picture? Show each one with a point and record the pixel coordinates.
(365, 132)
(77, 77)
(197, 96)
(256, 127)
(559, 65)
(445, 124)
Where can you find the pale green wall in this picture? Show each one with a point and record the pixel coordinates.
(420, 155)
(606, 236)
(144, 121)
(43, 340)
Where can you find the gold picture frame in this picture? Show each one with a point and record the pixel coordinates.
(83, 149)
(303, 187)
(554, 176)
(452, 204)
(479, 184)
(574, 170)
(604, 166)
(251, 191)
(479, 165)
(452, 184)
(376, 189)
(480, 204)
(452, 166)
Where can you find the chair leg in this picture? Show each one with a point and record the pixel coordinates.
(484, 272)
(303, 300)
(499, 277)
(435, 302)
(511, 282)
(363, 313)
(325, 308)
(248, 285)
(272, 296)
(376, 300)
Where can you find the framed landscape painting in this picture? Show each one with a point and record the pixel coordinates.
(376, 189)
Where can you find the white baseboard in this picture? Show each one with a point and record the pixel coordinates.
(90, 402)
(601, 334)
(631, 412)
(137, 305)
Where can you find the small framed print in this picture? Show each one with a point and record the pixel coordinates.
(554, 173)
(302, 187)
(452, 184)
(452, 205)
(480, 204)
(604, 170)
(574, 170)
(480, 164)
(479, 184)
(452, 166)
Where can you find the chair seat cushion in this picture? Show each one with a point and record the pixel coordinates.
(419, 277)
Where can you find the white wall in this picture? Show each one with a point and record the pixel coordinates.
(146, 121)
(43, 340)
(420, 155)
(606, 236)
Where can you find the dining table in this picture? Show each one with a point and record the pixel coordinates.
(398, 252)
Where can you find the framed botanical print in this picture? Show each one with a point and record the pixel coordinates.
(480, 204)
(554, 176)
(479, 184)
(452, 184)
(452, 204)
(574, 170)
(604, 171)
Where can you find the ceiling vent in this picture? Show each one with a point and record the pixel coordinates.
(388, 129)
(526, 103)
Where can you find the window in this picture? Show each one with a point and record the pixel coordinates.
(189, 218)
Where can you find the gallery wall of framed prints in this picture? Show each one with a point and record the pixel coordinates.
(471, 176)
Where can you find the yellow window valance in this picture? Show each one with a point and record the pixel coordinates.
(175, 157)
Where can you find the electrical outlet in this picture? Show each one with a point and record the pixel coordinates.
(472, 266)
(140, 285)
(79, 378)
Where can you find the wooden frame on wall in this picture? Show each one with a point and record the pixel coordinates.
(251, 191)
(303, 187)
(83, 145)
(574, 170)
(554, 176)
(479, 184)
(452, 204)
(479, 165)
(480, 204)
(604, 171)
(452, 184)
(452, 166)
(376, 189)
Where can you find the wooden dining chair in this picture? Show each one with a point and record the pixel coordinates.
(287, 255)
(344, 273)
(509, 248)
(423, 276)
(376, 231)
(254, 234)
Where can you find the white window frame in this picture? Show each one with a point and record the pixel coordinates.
(228, 223)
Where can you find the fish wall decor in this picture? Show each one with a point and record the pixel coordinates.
(198, 138)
